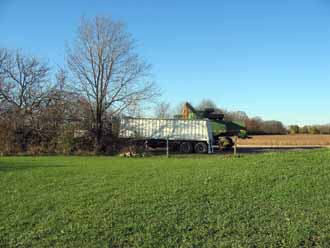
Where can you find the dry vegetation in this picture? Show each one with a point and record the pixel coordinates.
(287, 140)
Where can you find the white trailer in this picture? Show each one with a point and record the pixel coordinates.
(184, 135)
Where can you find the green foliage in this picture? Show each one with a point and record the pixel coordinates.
(313, 130)
(294, 129)
(270, 200)
(304, 130)
(309, 129)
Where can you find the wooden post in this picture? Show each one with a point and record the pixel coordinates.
(235, 145)
(167, 148)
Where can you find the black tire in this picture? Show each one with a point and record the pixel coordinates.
(186, 147)
(201, 147)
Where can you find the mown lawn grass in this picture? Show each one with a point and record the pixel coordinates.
(269, 200)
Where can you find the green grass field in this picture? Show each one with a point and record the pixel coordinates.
(269, 200)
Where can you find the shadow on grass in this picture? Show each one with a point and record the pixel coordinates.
(17, 167)
(257, 150)
(240, 150)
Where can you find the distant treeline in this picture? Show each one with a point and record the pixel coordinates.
(313, 129)
(257, 126)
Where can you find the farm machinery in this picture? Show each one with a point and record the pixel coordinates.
(192, 131)
(222, 131)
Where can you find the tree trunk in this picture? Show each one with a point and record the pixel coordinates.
(99, 132)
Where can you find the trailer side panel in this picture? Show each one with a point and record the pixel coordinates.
(172, 129)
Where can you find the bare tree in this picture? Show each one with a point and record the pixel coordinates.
(273, 127)
(3, 58)
(163, 110)
(205, 104)
(178, 108)
(235, 116)
(108, 71)
(24, 92)
(23, 81)
(254, 125)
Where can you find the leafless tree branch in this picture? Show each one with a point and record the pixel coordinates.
(108, 71)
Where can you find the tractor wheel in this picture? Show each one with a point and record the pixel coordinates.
(186, 147)
(225, 143)
(201, 147)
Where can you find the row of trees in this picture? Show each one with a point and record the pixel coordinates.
(314, 129)
(45, 110)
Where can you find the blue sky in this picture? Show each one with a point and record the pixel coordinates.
(268, 58)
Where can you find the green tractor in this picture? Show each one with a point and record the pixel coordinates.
(222, 130)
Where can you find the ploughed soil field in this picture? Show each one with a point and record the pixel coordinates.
(298, 140)
(259, 200)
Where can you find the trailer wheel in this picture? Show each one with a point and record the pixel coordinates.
(186, 147)
(201, 147)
